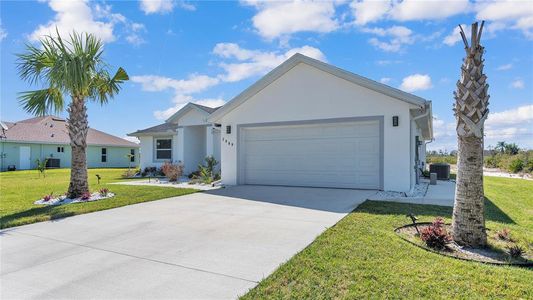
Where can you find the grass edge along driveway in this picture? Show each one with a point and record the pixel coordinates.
(19, 189)
(361, 256)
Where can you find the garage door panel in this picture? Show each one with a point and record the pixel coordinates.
(344, 155)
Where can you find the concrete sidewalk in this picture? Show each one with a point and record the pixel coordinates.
(210, 245)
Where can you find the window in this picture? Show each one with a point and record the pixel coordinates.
(104, 155)
(60, 149)
(163, 148)
(132, 155)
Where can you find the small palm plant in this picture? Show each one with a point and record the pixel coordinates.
(72, 67)
(41, 166)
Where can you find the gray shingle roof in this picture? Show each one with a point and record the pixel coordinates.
(161, 128)
(52, 129)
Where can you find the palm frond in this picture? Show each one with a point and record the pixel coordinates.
(72, 66)
(104, 87)
(42, 102)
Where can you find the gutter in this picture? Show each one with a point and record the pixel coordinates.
(427, 113)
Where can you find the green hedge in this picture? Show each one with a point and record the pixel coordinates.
(441, 159)
(521, 162)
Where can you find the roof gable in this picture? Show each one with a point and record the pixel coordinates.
(340, 73)
(184, 110)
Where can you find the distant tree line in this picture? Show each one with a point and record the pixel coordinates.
(505, 156)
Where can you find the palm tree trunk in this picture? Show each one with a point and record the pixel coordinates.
(471, 111)
(78, 127)
(469, 209)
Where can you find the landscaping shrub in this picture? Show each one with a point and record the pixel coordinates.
(41, 166)
(151, 171)
(441, 159)
(85, 196)
(516, 251)
(207, 172)
(194, 175)
(47, 198)
(172, 171)
(435, 235)
(492, 161)
(103, 192)
(129, 173)
(504, 234)
(516, 165)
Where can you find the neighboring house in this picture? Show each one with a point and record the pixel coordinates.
(308, 123)
(23, 142)
(186, 137)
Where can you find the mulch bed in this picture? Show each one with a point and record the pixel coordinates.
(484, 255)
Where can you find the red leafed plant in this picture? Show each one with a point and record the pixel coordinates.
(435, 235)
(85, 196)
(172, 171)
(103, 192)
(47, 198)
(504, 234)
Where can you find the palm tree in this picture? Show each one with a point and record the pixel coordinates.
(500, 147)
(75, 68)
(471, 111)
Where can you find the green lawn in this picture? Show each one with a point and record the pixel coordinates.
(19, 189)
(361, 256)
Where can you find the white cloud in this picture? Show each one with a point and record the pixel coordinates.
(367, 11)
(74, 15)
(518, 84)
(416, 82)
(281, 19)
(444, 134)
(411, 10)
(505, 67)
(247, 63)
(134, 33)
(386, 62)
(3, 32)
(455, 36)
(508, 14)
(514, 125)
(193, 84)
(181, 100)
(397, 37)
(157, 6)
(99, 20)
(385, 80)
(183, 88)
(522, 115)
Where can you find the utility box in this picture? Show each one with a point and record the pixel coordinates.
(432, 178)
(442, 170)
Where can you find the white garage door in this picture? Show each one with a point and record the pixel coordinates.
(339, 155)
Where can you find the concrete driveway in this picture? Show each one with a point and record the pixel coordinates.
(215, 244)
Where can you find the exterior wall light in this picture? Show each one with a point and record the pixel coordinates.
(395, 121)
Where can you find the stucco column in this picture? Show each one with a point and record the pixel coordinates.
(180, 141)
(208, 141)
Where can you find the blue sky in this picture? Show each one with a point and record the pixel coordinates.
(208, 52)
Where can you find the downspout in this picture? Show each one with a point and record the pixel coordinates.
(417, 175)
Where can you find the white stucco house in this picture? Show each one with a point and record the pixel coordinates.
(186, 137)
(306, 123)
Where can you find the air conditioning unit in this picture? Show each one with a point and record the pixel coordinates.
(52, 163)
(442, 170)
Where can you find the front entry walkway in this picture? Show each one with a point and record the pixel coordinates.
(216, 244)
